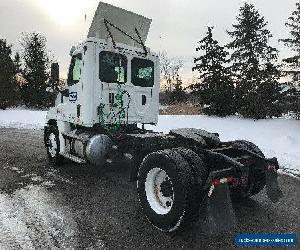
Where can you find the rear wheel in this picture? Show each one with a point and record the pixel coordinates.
(256, 177)
(166, 185)
(199, 177)
(250, 146)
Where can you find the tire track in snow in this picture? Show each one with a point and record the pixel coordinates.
(31, 218)
(51, 221)
(13, 230)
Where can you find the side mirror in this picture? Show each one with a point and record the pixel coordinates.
(72, 50)
(65, 92)
(54, 74)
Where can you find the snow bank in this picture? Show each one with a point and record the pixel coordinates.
(276, 137)
(22, 118)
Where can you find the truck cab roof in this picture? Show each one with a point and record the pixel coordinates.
(108, 45)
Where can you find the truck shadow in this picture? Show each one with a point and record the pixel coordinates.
(106, 205)
(87, 172)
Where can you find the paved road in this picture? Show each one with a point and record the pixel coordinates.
(78, 207)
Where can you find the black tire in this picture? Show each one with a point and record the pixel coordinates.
(250, 146)
(257, 176)
(199, 177)
(182, 211)
(54, 158)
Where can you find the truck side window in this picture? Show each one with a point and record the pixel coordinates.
(75, 70)
(142, 72)
(112, 67)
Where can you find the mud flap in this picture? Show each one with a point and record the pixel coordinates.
(217, 212)
(273, 191)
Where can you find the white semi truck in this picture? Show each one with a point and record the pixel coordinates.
(112, 87)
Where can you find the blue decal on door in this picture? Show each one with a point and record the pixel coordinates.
(73, 96)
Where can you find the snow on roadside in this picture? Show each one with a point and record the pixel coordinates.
(276, 137)
(22, 118)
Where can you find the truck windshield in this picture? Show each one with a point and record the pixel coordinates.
(142, 72)
(112, 67)
(75, 70)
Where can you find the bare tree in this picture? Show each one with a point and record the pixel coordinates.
(169, 69)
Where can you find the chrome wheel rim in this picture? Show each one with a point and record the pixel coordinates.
(52, 145)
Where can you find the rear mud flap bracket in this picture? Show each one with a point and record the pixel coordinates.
(272, 187)
(216, 212)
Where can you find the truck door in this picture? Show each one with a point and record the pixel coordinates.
(73, 104)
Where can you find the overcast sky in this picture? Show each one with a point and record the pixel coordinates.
(177, 25)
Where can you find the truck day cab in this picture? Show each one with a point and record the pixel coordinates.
(113, 85)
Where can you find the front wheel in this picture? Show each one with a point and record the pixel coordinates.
(52, 145)
(165, 188)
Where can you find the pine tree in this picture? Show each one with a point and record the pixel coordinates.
(7, 76)
(215, 87)
(256, 76)
(178, 94)
(36, 70)
(17, 62)
(293, 42)
(293, 62)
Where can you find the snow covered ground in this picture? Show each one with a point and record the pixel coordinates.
(22, 118)
(276, 137)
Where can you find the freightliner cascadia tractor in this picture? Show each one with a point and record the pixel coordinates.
(111, 92)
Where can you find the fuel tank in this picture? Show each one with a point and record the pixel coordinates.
(89, 146)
